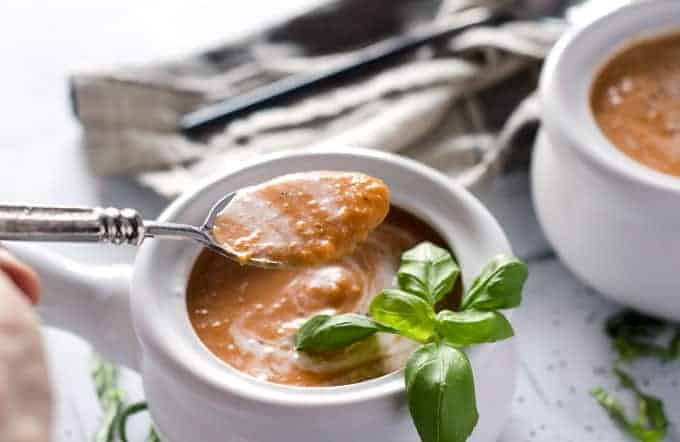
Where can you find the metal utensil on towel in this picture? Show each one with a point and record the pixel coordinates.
(108, 225)
(202, 119)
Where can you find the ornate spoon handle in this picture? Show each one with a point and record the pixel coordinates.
(71, 224)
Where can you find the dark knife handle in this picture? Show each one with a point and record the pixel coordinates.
(203, 119)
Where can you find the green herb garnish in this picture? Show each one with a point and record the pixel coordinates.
(441, 393)
(634, 336)
(112, 400)
(438, 375)
(324, 332)
(472, 327)
(499, 286)
(427, 271)
(126, 413)
(105, 376)
(650, 425)
(407, 314)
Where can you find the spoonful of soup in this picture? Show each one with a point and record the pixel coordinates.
(302, 219)
(299, 219)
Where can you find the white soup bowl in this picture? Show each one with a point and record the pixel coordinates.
(138, 317)
(613, 221)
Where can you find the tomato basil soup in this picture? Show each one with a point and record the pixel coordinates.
(248, 316)
(301, 219)
(636, 102)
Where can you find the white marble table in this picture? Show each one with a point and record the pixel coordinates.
(563, 350)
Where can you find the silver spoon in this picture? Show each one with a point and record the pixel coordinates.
(109, 225)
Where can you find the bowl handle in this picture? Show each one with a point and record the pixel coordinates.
(91, 301)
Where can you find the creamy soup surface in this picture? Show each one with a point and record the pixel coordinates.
(636, 102)
(248, 316)
(304, 218)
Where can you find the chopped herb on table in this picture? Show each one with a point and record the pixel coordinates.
(112, 427)
(105, 376)
(438, 375)
(635, 336)
(650, 424)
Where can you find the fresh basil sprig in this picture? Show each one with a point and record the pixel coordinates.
(439, 379)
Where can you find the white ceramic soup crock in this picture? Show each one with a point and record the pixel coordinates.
(614, 222)
(138, 317)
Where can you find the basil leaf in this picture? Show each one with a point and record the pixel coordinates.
(427, 271)
(472, 327)
(324, 332)
(441, 393)
(406, 314)
(498, 286)
(651, 424)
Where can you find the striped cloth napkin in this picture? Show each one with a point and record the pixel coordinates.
(459, 106)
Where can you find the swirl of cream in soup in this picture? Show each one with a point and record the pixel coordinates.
(304, 218)
(248, 316)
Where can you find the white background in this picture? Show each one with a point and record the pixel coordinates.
(563, 350)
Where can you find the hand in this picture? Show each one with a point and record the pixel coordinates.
(25, 399)
(21, 275)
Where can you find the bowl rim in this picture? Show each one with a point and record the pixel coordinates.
(160, 351)
(566, 121)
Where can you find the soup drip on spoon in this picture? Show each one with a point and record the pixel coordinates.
(302, 219)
